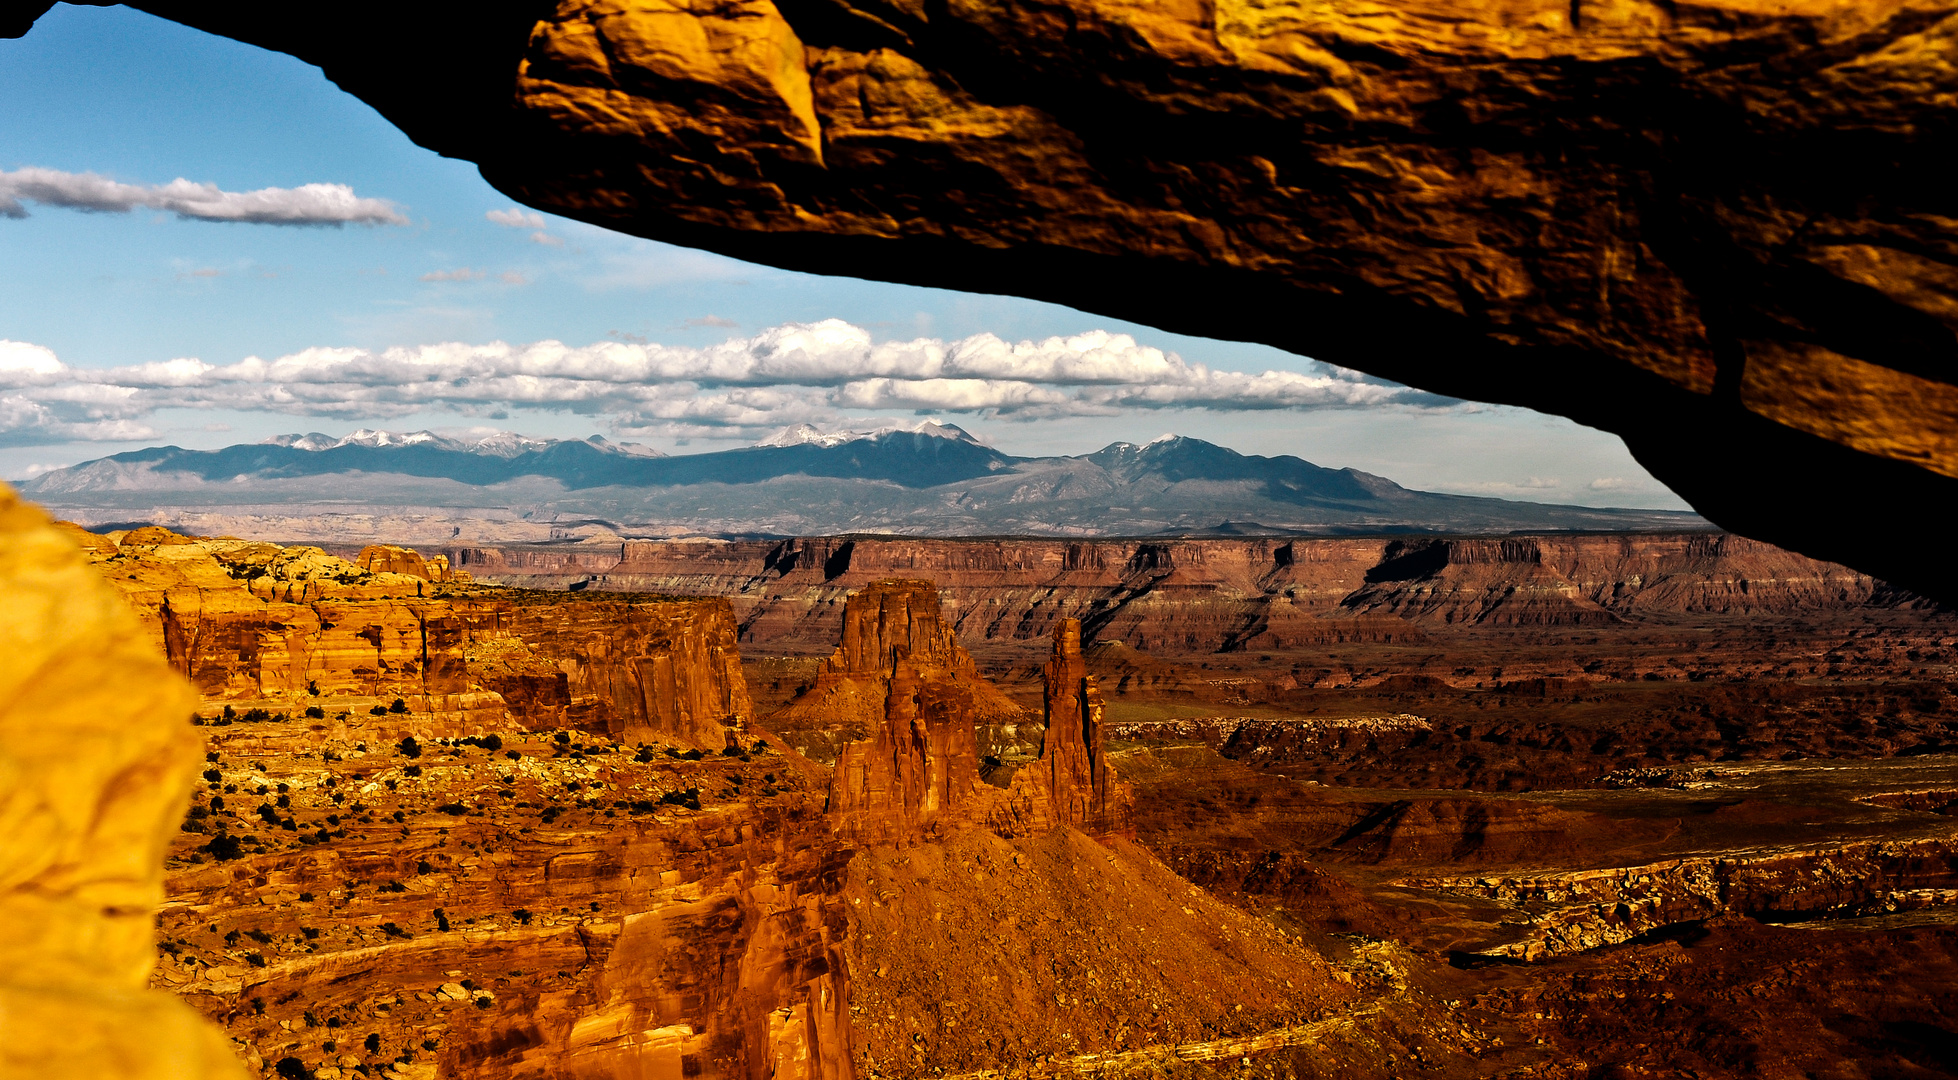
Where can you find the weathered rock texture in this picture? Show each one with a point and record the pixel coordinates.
(920, 766)
(1181, 596)
(569, 909)
(291, 629)
(883, 622)
(917, 772)
(96, 764)
(1715, 227)
(1071, 784)
(390, 559)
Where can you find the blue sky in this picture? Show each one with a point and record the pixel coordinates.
(143, 101)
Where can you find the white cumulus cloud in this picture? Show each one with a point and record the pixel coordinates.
(744, 386)
(307, 204)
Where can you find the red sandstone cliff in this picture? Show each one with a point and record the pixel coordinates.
(917, 773)
(1182, 596)
(1071, 784)
(291, 629)
(881, 622)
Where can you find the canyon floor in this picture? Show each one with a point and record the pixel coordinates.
(1677, 842)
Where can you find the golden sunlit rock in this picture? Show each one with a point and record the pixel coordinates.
(96, 763)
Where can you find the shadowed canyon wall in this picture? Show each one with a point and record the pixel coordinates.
(1183, 596)
(1717, 228)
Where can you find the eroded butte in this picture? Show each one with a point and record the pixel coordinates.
(446, 828)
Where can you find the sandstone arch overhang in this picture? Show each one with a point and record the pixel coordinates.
(1722, 229)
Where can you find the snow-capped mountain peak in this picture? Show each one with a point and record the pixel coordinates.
(809, 434)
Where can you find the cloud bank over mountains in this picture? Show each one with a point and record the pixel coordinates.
(307, 204)
(741, 388)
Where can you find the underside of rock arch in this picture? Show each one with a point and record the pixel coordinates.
(1722, 229)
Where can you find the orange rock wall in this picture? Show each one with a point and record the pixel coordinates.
(287, 629)
(1211, 595)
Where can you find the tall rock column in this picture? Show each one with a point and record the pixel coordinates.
(1076, 772)
(1071, 784)
(898, 781)
(96, 764)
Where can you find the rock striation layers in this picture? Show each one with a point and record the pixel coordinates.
(96, 765)
(297, 632)
(1212, 595)
(1706, 227)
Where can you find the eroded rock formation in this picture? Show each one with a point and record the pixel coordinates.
(287, 630)
(391, 559)
(96, 764)
(1187, 596)
(883, 621)
(1713, 227)
(917, 772)
(918, 769)
(1071, 784)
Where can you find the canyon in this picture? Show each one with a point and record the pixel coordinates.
(897, 808)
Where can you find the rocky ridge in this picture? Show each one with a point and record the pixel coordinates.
(1184, 596)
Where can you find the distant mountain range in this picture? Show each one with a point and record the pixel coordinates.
(929, 479)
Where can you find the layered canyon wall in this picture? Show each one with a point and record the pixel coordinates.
(1183, 596)
(287, 630)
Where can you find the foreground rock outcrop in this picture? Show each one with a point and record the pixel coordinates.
(1709, 227)
(96, 764)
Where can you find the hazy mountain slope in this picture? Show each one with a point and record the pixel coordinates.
(934, 479)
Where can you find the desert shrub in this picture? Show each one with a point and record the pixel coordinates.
(689, 798)
(521, 916)
(454, 809)
(372, 1043)
(412, 770)
(492, 743)
(378, 710)
(398, 706)
(213, 776)
(513, 755)
(291, 1068)
(230, 713)
(314, 712)
(644, 756)
(224, 846)
(730, 751)
(408, 747)
(254, 716)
